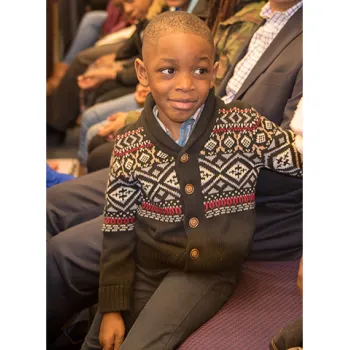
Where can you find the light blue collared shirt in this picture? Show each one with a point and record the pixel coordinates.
(186, 127)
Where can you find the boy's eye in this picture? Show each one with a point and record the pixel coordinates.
(201, 71)
(168, 71)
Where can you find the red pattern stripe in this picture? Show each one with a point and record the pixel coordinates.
(119, 137)
(120, 154)
(231, 201)
(118, 221)
(165, 211)
(239, 128)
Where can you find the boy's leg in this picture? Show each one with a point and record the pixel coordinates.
(180, 305)
(167, 311)
(146, 283)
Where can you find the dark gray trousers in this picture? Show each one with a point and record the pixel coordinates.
(167, 306)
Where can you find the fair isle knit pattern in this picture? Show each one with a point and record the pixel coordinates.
(164, 201)
(156, 192)
(241, 143)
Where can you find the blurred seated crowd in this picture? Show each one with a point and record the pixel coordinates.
(95, 88)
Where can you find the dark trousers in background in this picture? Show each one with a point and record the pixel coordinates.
(64, 104)
(100, 152)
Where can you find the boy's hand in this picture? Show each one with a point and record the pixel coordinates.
(112, 331)
(117, 121)
(95, 77)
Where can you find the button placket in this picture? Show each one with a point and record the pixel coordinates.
(189, 188)
(194, 253)
(184, 158)
(194, 222)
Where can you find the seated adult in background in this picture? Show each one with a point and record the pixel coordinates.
(92, 26)
(229, 37)
(101, 81)
(116, 75)
(64, 106)
(273, 85)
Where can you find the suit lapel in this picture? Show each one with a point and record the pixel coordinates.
(291, 30)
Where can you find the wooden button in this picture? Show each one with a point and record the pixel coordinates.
(189, 189)
(194, 222)
(184, 158)
(194, 253)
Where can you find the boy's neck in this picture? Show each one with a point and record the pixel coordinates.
(174, 128)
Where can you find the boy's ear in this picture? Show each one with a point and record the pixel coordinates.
(215, 72)
(141, 72)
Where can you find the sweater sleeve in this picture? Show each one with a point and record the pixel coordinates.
(278, 151)
(117, 268)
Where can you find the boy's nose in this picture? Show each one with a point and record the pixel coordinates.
(185, 82)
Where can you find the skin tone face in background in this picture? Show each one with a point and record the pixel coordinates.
(136, 10)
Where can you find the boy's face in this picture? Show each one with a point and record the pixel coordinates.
(180, 71)
(136, 10)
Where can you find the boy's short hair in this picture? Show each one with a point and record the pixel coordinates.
(175, 22)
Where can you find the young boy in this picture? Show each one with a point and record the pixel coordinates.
(179, 215)
(99, 113)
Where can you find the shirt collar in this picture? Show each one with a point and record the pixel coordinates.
(193, 120)
(267, 13)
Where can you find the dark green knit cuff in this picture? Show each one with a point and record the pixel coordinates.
(114, 298)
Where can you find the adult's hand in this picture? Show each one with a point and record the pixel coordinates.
(116, 122)
(94, 77)
(141, 94)
(105, 60)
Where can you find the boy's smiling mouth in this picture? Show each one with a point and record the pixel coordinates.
(182, 104)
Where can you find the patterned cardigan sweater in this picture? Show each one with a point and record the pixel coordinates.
(190, 207)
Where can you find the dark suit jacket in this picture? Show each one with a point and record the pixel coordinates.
(274, 87)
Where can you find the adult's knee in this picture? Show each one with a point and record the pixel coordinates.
(89, 118)
(72, 274)
(73, 259)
